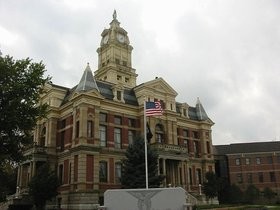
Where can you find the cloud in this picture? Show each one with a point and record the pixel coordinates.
(225, 52)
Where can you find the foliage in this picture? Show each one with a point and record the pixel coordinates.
(43, 186)
(268, 193)
(133, 170)
(210, 186)
(224, 191)
(21, 83)
(235, 194)
(251, 194)
(8, 180)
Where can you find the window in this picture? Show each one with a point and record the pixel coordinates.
(102, 117)
(117, 61)
(198, 176)
(124, 63)
(269, 160)
(185, 133)
(184, 112)
(62, 137)
(237, 161)
(131, 122)
(207, 135)
(118, 120)
(119, 77)
(103, 177)
(117, 137)
(60, 173)
(195, 148)
(195, 135)
(70, 172)
(258, 160)
(89, 128)
(119, 95)
(126, 80)
(43, 137)
(63, 124)
(77, 129)
(102, 135)
(239, 178)
(247, 161)
(118, 172)
(190, 176)
(260, 175)
(131, 135)
(278, 158)
(272, 176)
(159, 133)
(249, 178)
(208, 147)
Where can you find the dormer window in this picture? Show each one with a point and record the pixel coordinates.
(184, 112)
(119, 95)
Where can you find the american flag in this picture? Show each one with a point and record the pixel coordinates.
(153, 108)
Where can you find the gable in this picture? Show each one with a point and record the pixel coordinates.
(157, 86)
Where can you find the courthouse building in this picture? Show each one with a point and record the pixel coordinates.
(90, 126)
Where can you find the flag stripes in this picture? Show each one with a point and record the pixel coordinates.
(153, 108)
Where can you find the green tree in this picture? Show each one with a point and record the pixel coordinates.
(8, 180)
(235, 194)
(251, 194)
(21, 83)
(133, 169)
(210, 186)
(268, 193)
(43, 186)
(223, 190)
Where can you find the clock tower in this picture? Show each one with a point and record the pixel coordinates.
(114, 56)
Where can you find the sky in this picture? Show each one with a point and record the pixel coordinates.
(226, 52)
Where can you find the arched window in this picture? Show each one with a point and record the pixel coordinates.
(159, 133)
(42, 139)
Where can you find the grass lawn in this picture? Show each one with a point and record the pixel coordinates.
(238, 207)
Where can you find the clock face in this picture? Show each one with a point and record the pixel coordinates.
(105, 39)
(121, 38)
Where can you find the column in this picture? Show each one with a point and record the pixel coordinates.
(164, 171)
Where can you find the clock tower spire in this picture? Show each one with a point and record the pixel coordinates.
(114, 56)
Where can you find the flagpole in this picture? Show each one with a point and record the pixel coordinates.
(145, 140)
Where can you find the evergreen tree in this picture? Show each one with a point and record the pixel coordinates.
(21, 83)
(133, 169)
(268, 193)
(43, 186)
(210, 186)
(235, 194)
(251, 194)
(224, 191)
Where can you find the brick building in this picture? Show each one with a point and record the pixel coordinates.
(89, 127)
(255, 163)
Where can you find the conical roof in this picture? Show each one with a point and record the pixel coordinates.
(87, 82)
(200, 112)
